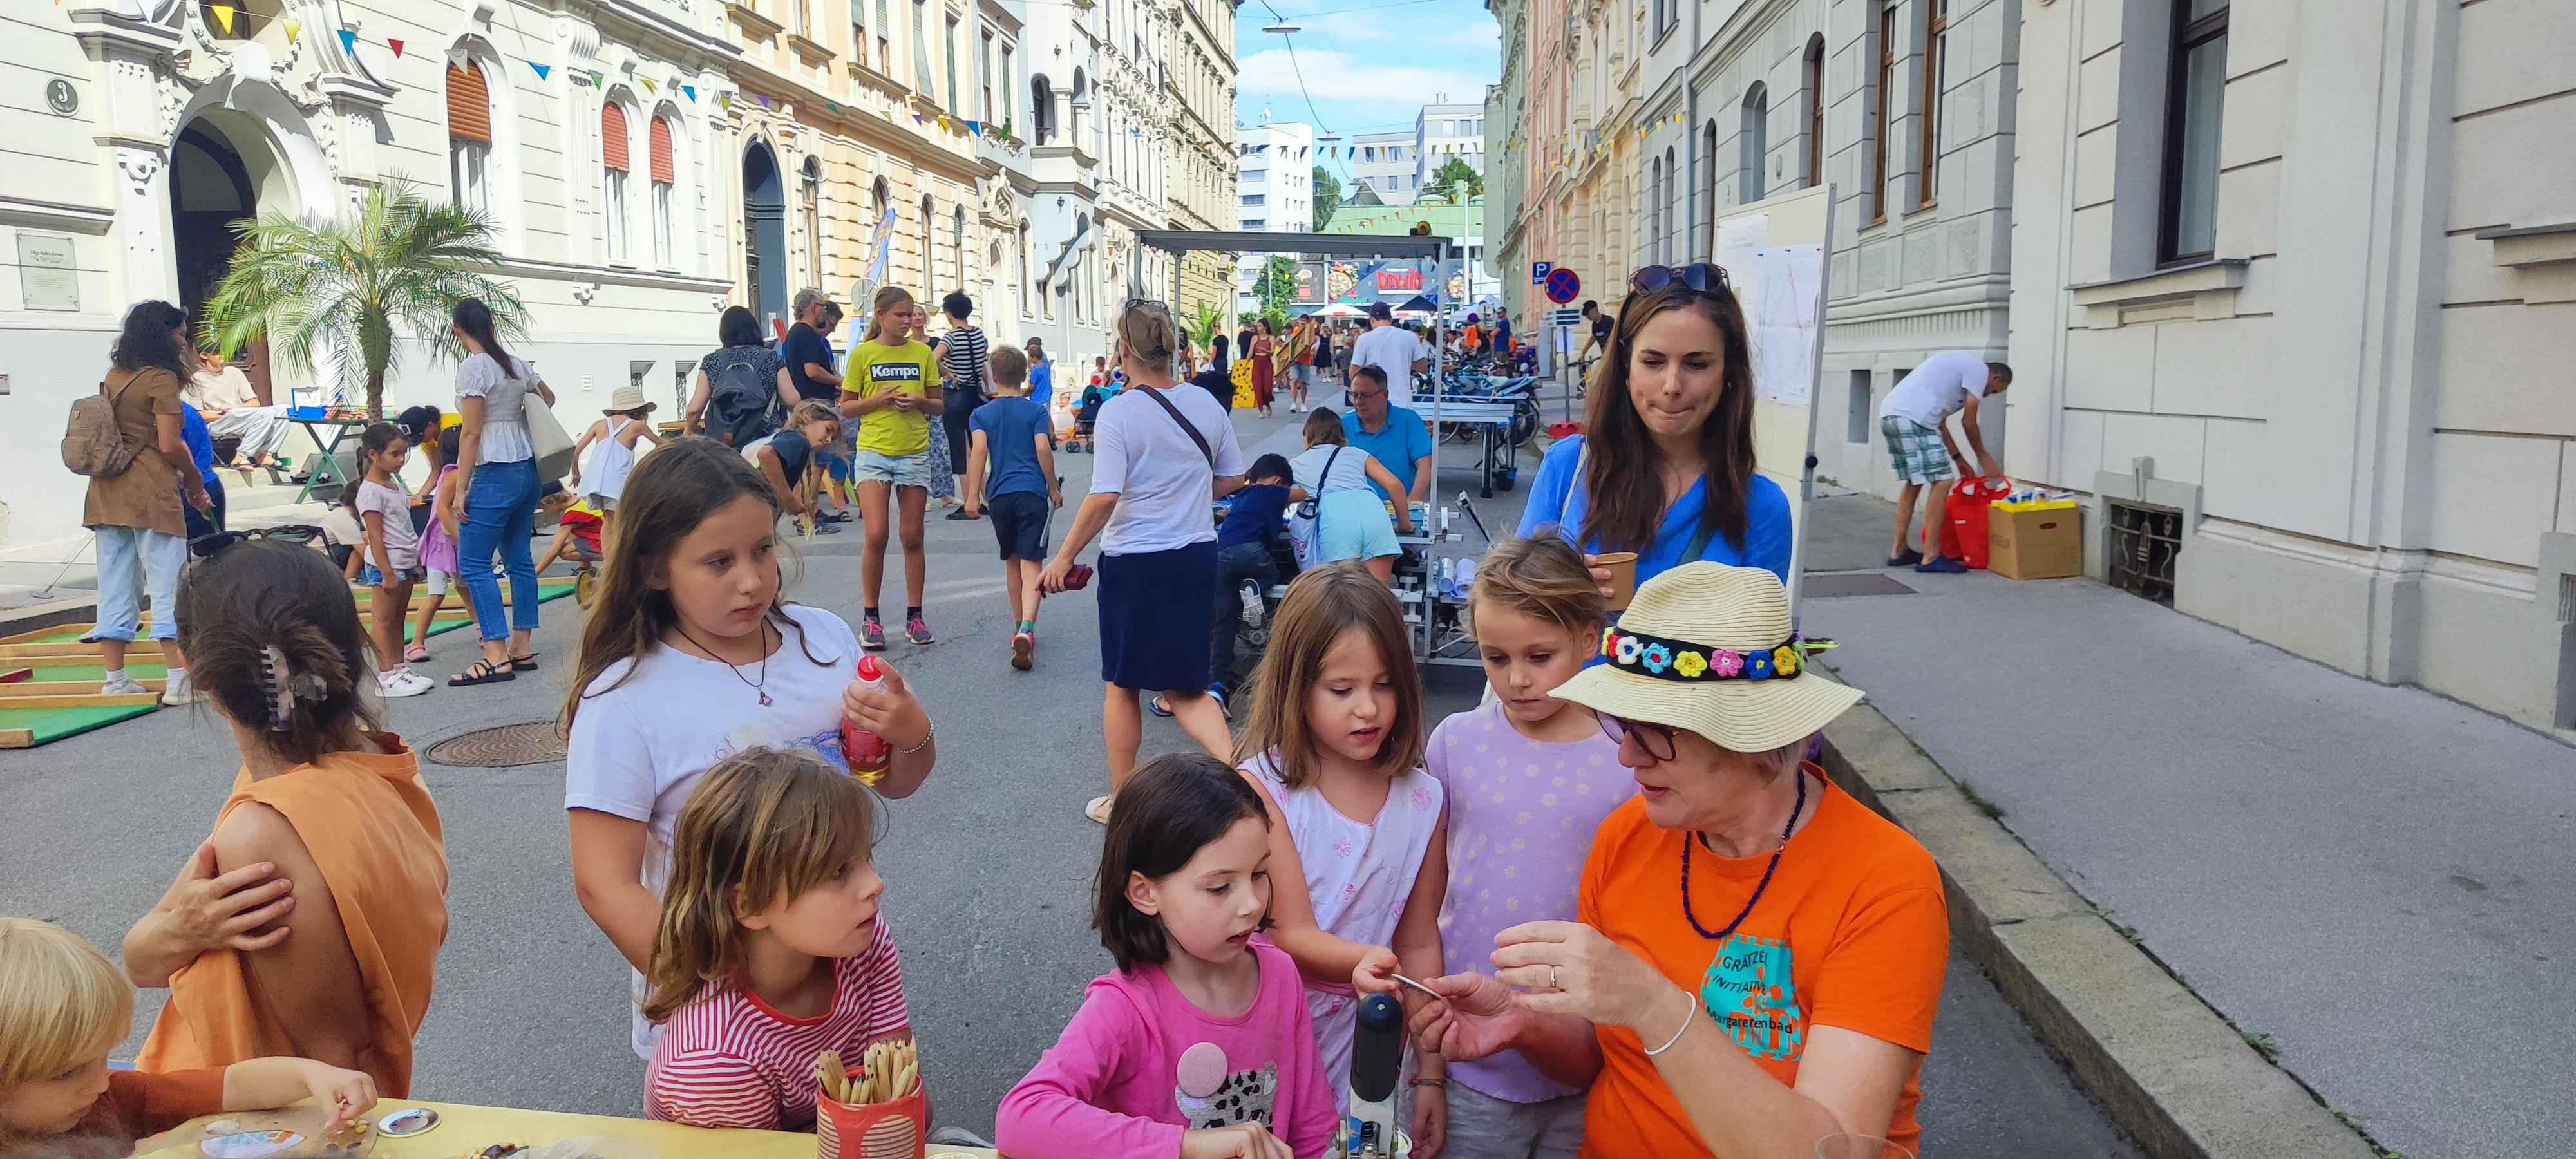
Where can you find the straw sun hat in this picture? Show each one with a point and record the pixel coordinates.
(1708, 648)
(628, 398)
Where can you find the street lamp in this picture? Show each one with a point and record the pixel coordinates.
(1282, 28)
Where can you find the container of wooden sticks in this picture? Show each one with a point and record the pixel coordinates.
(875, 1110)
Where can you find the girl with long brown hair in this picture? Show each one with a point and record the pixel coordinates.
(692, 653)
(889, 384)
(1664, 466)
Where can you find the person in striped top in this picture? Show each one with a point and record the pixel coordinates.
(772, 949)
(966, 362)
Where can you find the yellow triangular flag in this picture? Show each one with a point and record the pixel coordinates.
(294, 28)
(223, 16)
(648, 85)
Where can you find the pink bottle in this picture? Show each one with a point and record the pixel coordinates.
(870, 756)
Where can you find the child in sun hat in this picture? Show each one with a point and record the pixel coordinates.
(616, 434)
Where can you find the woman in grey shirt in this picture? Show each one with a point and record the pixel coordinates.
(494, 500)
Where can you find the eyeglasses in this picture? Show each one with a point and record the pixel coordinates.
(1156, 303)
(1656, 739)
(1702, 277)
(207, 545)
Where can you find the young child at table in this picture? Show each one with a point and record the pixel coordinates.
(1528, 779)
(771, 950)
(1199, 1044)
(66, 1006)
(691, 654)
(393, 555)
(437, 547)
(1336, 734)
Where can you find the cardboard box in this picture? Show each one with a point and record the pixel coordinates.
(2043, 542)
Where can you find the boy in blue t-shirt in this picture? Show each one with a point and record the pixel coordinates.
(1246, 558)
(1010, 470)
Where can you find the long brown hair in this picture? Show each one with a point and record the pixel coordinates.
(671, 492)
(888, 297)
(760, 828)
(1627, 498)
(1322, 604)
(268, 623)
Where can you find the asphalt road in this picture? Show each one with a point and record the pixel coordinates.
(988, 866)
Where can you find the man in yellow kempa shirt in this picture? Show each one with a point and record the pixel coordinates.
(887, 384)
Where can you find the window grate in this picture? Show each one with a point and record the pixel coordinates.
(2139, 555)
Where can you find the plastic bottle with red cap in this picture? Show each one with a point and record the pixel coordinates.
(870, 755)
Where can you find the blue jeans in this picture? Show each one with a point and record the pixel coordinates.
(500, 516)
(132, 561)
(1243, 561)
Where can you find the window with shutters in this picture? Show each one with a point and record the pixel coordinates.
(1936, 43)
(921, 75)
(885, 40)
(1815, 85)
(984, 78)
(613, 166)
(665, 176)
(469, 136)
(1008, 81)
(1882, 108)
(859, 32)
(950, 46)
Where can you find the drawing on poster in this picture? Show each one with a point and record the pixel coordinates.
(1784, 316)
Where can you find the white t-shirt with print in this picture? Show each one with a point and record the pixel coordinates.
(1391, 349)
(1163, 481)
(1929, 394)
(638, 747)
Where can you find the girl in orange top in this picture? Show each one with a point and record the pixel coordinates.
(1758, 956)
(329, 836)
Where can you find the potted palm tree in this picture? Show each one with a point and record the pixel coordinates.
(345, 291)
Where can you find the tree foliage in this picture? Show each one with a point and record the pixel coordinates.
(1277, 286)
(349, 292)
(1454, 181)
(1328, 197)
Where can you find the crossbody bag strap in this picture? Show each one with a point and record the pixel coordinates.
(1175, 412)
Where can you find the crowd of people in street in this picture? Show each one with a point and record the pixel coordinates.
(1518, 877)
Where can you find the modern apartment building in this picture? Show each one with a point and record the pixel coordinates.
(1384, 163)
(1443, 131)
(1274, 178)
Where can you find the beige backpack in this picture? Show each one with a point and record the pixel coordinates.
(93, 444)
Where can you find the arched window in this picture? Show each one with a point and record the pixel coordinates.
(809, 208)
(665, 174)
(1041, 110)
(469, 136)
(1652, 208)
(1027, 291)
(929, 226)
(958, 241)
(1753, 144)
(1815, 97)
(613, 163)
(1672, 198)
(1708, 149)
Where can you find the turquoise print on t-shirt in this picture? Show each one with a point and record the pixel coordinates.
(1748, 992)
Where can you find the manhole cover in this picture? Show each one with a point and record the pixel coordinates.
(1855, 583)
(495, 748)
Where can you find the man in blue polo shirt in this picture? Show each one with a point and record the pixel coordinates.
(1393, 435)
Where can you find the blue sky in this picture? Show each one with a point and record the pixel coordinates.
(1368, 66)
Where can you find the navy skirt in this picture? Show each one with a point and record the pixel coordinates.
(1155, 618)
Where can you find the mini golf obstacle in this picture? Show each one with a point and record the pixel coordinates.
(50, 680)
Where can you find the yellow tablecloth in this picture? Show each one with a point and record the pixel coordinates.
(463, 1129)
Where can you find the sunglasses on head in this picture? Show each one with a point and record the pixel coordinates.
(1702, 277)
(1656, 739)
(205, 546)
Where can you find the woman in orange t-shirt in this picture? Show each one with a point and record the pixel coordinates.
(1759, 955)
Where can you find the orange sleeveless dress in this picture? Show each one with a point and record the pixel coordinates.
(368, 820)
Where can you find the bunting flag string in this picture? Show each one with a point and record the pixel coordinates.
(539, 69)
(648, 85)
(223, 14)
(349, 40)
(396, 45)
(724, 101)
(763, 98)
(691, 91)
(975, 128)
(294, 29)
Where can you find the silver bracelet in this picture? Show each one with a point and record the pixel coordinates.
(1688, 1020)
(928, 731)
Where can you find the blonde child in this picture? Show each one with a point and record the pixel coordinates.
(437, 548)
(1357, 836)
(691, 654)
(1529, 778)
(66, 1006)
(616, 435)
(1200, 1043)
(392, 553)
(1011, 449)
(771, 948)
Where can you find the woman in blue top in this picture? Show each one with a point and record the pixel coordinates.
(1664, 467)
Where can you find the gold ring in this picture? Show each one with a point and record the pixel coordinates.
(1551, 977)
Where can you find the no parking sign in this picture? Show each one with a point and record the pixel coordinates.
(1562, 285)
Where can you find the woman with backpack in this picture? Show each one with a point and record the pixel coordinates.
(496, 494)
(135, 454)
(741, 388)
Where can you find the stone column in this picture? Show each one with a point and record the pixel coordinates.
(133, 142)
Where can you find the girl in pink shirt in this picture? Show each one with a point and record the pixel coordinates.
(1199, 1045)
(771, 949)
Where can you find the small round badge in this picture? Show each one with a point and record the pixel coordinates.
(62, 97)
(407, 1122)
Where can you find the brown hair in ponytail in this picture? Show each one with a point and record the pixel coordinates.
(888, 297)
(263, 594)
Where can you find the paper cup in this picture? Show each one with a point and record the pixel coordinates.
(892, 1130)
(1622, 566)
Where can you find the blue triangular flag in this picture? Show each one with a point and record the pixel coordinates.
(692, 90)
(348, 40)
(975, 127)
(542, 70)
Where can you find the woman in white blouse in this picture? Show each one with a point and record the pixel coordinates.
(494, 501)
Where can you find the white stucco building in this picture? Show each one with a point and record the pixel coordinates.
(1384, 162)
(1443, 131)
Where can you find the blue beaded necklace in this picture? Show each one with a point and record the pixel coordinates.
(1690, 839)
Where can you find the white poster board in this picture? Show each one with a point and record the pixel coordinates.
(1773, 252)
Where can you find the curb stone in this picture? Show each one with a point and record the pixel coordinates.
(2167, 1068)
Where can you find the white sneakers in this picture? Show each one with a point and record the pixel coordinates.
(1252, 609)
(180, 690)
(117, 683)
(403, 682)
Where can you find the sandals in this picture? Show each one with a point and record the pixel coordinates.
(1159, 708)
(482, 672)
(1097, 810)
(527, 663)
(416, 654)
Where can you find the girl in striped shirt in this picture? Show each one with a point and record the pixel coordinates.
(772, 949)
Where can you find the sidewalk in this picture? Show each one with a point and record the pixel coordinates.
(2377, 879)
(68, 568)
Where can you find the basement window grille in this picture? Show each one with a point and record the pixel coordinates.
(2144, 540)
